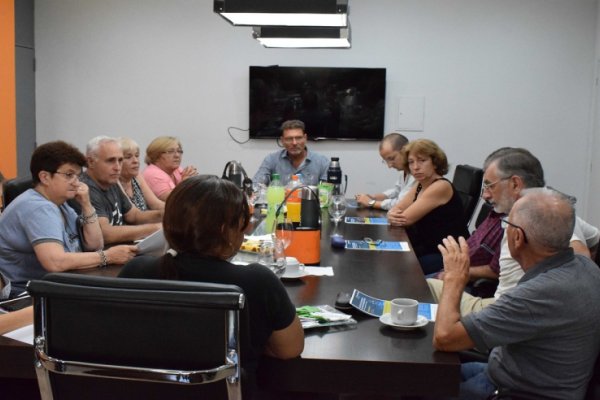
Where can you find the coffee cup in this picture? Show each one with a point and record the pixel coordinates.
(292, 266)
(404, 311)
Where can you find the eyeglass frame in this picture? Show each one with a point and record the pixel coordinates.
(297, 139)
(504, 222)
(70, 176)
(173, 151)
(490, 186)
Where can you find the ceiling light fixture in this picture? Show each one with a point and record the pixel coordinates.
(284, 12)
(303, 37)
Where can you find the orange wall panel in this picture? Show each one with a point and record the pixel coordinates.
(8, 122)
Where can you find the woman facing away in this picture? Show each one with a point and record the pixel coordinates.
(432, 209)
(134, 185)
(164, 172)
(40, 232)
(204, 222)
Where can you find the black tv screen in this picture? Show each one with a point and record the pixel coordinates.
(334, 103)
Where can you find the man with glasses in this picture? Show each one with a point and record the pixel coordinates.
(543, 333)
(40, 232)
(507, 172)
(295, 158)
(119, 219)
(390, 150)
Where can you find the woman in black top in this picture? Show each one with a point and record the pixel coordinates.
(204, 222)
(432, 210)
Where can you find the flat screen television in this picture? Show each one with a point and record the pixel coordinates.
(333, 103)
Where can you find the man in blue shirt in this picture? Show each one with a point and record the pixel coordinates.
(295, 158)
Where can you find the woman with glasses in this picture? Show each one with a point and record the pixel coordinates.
(432, 209)
(40, 232)
(164, 171)
(134, 185)
(204, 222)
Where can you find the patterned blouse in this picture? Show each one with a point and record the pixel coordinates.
(138, 196)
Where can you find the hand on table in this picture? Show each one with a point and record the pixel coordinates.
(396, 217)
(120, 254)
(363, 199)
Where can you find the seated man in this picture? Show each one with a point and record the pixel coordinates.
(507, 172)
(544, 333)
(294, 159)
(390, 150)
(119, 219)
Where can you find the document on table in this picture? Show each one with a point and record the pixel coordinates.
(24, 334)
(377, 245)
(367, 220)
(377, 307)
(155, 244)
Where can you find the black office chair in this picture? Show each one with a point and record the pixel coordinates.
(116, 338)
(467, 182)
(14, 187)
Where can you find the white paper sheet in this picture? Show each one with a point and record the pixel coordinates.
(24, 334)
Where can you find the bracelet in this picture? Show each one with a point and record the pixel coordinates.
(103, 258)
(88, 219)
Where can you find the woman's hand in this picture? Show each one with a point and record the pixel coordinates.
(82, 195)
(396, 217)
(188, 172)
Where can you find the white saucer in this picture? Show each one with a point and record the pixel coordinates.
(293, 275)
(386, 320)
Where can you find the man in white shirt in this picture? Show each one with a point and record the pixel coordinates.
(507, 171)
(390, 150)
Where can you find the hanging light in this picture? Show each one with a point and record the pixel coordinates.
(303, 37)
(284, 12)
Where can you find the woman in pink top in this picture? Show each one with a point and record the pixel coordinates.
(163, 173)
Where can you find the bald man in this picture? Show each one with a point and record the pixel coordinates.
(544, 334)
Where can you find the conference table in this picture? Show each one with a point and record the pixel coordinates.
(367, 358)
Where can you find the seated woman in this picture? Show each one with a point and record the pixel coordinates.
(432, 209)
(163, 173)
(134, 186)
(204, 222)
(40, 232)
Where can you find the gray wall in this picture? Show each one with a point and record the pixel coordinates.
(493, 73)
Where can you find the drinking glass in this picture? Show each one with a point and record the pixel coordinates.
(337, 208)
(285, 232)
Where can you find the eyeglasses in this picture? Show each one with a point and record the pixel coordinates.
(490, 186)
(173, 151)
(505, 223)
(390, 159)
(71, 176)
(293, 139)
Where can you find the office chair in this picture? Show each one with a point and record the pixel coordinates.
(14, 187)
(116, 338)
(467, 182)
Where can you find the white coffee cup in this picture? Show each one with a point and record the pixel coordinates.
(404, 311)
(292, 265)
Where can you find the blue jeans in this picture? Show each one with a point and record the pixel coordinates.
(475, 384)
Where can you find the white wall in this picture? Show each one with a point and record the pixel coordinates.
(493, 72)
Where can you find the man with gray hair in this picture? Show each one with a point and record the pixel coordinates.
(119, 219)
(390, 150)
(507, 172)
(544, 334)
(295, 158)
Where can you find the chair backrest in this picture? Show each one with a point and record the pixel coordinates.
(467, 182)
(483, 213)
(14, 187)
(117, 338)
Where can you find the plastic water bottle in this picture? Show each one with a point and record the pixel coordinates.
(275, 195)
(293, 201)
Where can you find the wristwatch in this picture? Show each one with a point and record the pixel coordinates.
(372, 203)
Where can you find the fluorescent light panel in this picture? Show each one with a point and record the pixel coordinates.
(284, 12)
(303, 37)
